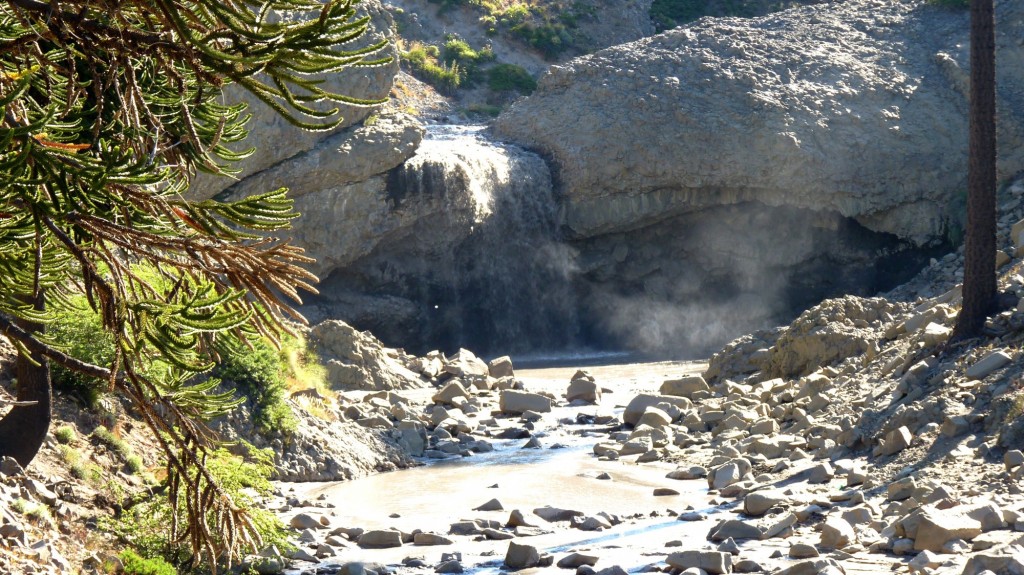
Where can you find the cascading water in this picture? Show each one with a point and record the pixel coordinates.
(486, 269)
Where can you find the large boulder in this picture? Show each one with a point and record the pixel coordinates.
(357, 360)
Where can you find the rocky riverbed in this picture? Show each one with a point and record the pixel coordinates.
(855, 440)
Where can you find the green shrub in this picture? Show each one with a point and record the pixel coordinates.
(257, 371)
(135, 564)
(115, 443)
(508, 77)
(79, 332)
(423, 63)
(145, 526)
(64, 434)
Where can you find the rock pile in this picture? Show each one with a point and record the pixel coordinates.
(28, 508)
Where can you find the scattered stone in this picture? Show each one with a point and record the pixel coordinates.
(836, 533)
(582, 387)
(734, 529)
(685, 386)
(516, 519)
(576, 560)
(500, 367)
(692, 472)
(425, 539)
(449, 567)
(492, 505)
(802, 551)
(305, 521)
(714, 562)
(897, 440)
(381, 539)
(935, 528)
(664, 491)
(553, 514)
(986, 365)
(759, 502)
(516, 402)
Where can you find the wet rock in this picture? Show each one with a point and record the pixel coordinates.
(516, 402)
(714, 562)
(492, 505)
(381, 538)
(576, 560)
(692, 472)
(735, 529)
(521, 556)
(553, 514)
(449, 567)
(532, 443)
(594, 523)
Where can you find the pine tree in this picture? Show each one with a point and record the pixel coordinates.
(108, 108)
(979, 291)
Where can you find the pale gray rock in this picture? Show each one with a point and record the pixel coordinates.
(715, 562)
(381, 538)
(733, 110)
(685, 386)
(276, 140)
(574, 560)
(358, 360)
(424, 538)
(935, 528)
(500, 367)
(987, 364)
(639, 404)
(516, 402)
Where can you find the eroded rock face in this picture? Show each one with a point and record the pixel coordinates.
(718, 177)
(277, 140)
(856, 109)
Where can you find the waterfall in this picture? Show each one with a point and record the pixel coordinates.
(481, 265)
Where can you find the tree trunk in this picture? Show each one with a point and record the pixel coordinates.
(979, 292)
(24, 428)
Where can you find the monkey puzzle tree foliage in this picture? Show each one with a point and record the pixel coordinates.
(979, 291)
(108, 108)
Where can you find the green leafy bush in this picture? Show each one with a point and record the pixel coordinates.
(423, 63)
(79, 332)
(257, 372)
(135, 564)
(508, 77)
(145, 526)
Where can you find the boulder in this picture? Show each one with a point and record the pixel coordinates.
(381, 538)
(583, 389)
(936, 528)
(516, 402)
(500, 367)
(685, 386)
(356, 360)
(428, 539)
(553, 514)
(449, 392)
(521, 556)
(714, 562)
(465, 364)
(574, 560)
(837, 533)
(639, 404)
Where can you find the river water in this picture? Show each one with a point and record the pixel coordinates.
(562, 473)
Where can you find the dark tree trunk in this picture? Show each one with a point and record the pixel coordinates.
(24, 428)
(979, 292)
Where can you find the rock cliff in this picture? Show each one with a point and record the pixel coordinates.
(856, 108)
(275, 140)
